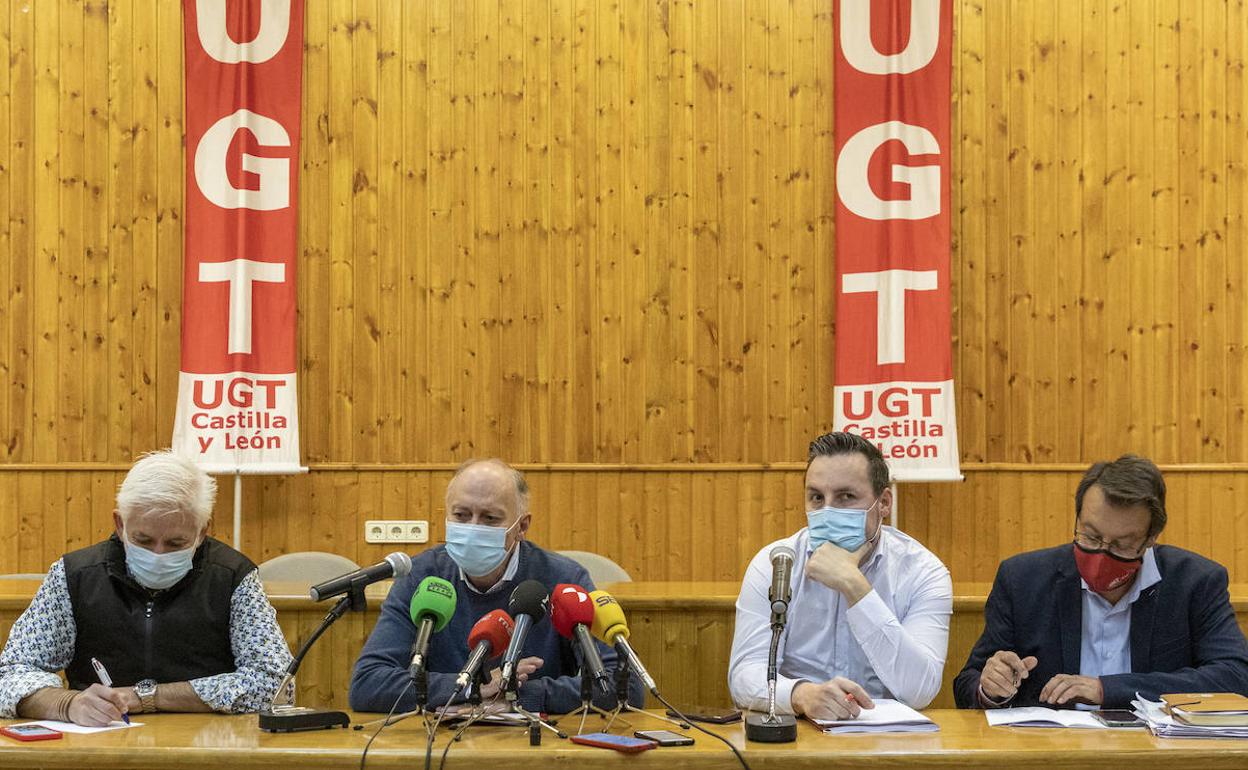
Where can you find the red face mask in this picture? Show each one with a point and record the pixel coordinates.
(1102, 571)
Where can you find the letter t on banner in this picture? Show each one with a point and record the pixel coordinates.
(894, 355)
(237, 407)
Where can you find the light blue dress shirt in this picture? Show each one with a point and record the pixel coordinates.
(1105, 648)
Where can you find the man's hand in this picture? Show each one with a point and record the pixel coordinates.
(838, 569)
(98, 705)
(1072, 688)
(838, 698)
(1003, 673)
(524, 668)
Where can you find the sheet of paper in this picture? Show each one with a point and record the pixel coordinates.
(1038, 716)
(888, 716)
(70, 727)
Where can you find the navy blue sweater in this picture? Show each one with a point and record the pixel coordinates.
(381, 672)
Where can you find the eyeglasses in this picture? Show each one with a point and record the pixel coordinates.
(1093, 543)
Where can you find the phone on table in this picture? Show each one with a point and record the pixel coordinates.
(1117, 718)
(31, 732)
(665, 737)
(618, 742)
(716, 716)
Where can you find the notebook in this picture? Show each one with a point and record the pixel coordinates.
(1039, 716)
(1220, 709)
(888, 716)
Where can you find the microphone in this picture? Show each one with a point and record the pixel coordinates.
(528, 605)
(487, 639)
(431, 609)
(781, 591)
(611, 627)
(572, 613)
(396, 565)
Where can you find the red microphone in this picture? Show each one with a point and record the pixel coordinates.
(572, 613)
(487, 639)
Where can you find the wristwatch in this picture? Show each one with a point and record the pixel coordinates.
(146, 690)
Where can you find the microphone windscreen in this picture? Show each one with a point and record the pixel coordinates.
(530, 598)
(494, 627)
(434, 598)
(401, 563)
(609, 619)
(782, 550)
(569, 605)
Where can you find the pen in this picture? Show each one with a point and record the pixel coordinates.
(107, 681)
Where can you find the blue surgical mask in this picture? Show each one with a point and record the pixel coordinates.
(478, 549)
(157, 570)
(843, 527)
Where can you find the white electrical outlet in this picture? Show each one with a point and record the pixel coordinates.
(396, 531)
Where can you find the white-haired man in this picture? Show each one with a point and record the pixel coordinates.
(178, 619)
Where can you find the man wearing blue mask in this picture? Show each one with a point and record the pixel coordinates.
(486, 555)
(178, 621)
(870, 607)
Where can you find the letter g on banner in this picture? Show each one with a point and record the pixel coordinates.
(216, 42)
(274, 192)
(854, 186)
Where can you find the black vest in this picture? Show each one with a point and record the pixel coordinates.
(177, 634)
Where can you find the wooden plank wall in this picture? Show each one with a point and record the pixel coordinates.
(594, 237)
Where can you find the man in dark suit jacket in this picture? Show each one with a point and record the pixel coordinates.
(1111, 615)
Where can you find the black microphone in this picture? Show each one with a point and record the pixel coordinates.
(528, 605)
(781, 583)
(396, 565)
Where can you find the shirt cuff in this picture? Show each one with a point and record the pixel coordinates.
(784, 694)
(868, 616)
(989, 703)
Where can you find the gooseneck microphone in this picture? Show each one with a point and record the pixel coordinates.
(572, 614)
(396, 565)
(527, 606)
(487, 639)
(431, 609)
(781, 591)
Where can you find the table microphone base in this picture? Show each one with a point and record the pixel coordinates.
(764, 728)
(291, 719)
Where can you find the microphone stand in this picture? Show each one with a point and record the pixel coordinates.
(286, 716)
(511, 694)
(622, 672)
(772, 728)
(587, 701)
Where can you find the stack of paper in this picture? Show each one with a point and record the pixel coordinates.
(888, 716)
(1163, 725)
(1038, 716)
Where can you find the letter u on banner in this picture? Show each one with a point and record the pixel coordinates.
(894, 356)
(237, 403)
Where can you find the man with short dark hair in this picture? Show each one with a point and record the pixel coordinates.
(870, 607)
(1113, 614)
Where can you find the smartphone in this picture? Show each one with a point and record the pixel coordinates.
(665, 737)
(1117, 718)
(716, 716)
(30, 732)
(618, 742)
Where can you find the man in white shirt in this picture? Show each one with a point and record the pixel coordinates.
(869, 614)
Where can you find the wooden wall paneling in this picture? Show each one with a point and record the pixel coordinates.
(8, 429)
(1046, 172)
(1094, 171)
(121, 215)
(147, 433)
(166, 141)
(314, 273)
(46, 334)
(1119, 222)
(1189, 355)
(804, 122)
(95, 227)
(70, 138)
(996, 276)
(1140, 264)
(486, 273)
(392, 316)
(1069, 252)
(341, 339)
(463, 340)
(361, 257)
(1019, 261)
(11, 518)
(1163, 376)
(1236, 175)
(515, 331)
(1211, 246)
(702, 64)
(442, 255)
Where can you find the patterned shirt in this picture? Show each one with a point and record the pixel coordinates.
(42, 643)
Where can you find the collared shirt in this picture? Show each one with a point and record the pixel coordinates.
(42, 643)
(893, 642)
(513, 563)
(1106, 638)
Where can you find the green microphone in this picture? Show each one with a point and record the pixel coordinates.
(432, 606)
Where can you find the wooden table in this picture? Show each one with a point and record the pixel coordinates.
(682, 631)
(964, 741)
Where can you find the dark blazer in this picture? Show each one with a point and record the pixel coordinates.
(1184, 637)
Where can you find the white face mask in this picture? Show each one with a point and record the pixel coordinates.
(157, 571)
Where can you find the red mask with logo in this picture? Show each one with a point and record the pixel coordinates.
(1102, 571)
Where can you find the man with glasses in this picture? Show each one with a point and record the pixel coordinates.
(486, 555)
(1094, 622)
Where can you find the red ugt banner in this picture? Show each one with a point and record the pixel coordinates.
(894, 365)
(237, 408)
